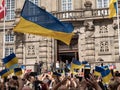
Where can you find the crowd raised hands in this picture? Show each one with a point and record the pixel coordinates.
(48, 81)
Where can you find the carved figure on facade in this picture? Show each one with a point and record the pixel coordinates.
(89, 29)
(20, 38)
(17, 17)
(115, 26)
(88, 5)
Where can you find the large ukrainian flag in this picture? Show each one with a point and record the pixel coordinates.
(10, 61)
(35, 20)
(113, 8)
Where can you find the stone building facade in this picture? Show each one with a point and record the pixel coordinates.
(95, 40)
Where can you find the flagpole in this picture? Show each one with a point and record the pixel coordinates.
(118, 27)
(4, 32)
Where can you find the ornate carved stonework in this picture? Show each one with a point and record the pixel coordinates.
(88, 5)
(20, 37)
(89, 28)
(115, 26)
(17, 12)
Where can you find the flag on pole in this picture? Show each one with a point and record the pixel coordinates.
(10, 61)
(113, 7)
(35, 20)
(2, 10)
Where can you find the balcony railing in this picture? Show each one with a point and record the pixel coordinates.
(102, 12)
(81, 14)
(69, 14)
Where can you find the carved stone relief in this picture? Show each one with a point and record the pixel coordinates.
(89, 28)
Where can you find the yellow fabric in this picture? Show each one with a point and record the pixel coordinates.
(25, 26)
(74, 66)
(11, 62)
(112, 9)
(5, 74)
(97, 73)
(107, 78)
(18, 73)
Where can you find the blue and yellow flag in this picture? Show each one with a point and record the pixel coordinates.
(106, 76)
(12, 67)
(35, 20)
(17, 71)
(98, 70)
(4, 73)
(76, 64)
(84, 62)
(113, 8)
(10, 60)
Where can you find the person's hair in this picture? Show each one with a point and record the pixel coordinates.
(14, 77)
(113, 85)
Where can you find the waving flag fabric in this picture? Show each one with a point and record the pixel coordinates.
(4, 73)
(113, 8)
(84, 62)
(76, 64)
(104, 72)
(98, 70)
(106, 76)
(18, 71)
(10, 61)
(35, 20)
(2, 10)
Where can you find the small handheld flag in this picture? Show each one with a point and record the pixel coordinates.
(10, 60)
(4, 73)
(18, 71)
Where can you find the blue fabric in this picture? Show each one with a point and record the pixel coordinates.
(105, 73)
(76, 62)
(116, 7)
(8, 58)
(99, 69)
(17, 70)
(84, 62)
(33, 13)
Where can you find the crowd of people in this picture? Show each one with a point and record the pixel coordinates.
(58, 81)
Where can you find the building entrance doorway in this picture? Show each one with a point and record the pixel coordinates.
(68, 56)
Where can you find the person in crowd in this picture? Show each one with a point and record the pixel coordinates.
(115, 82)
(59, 81)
